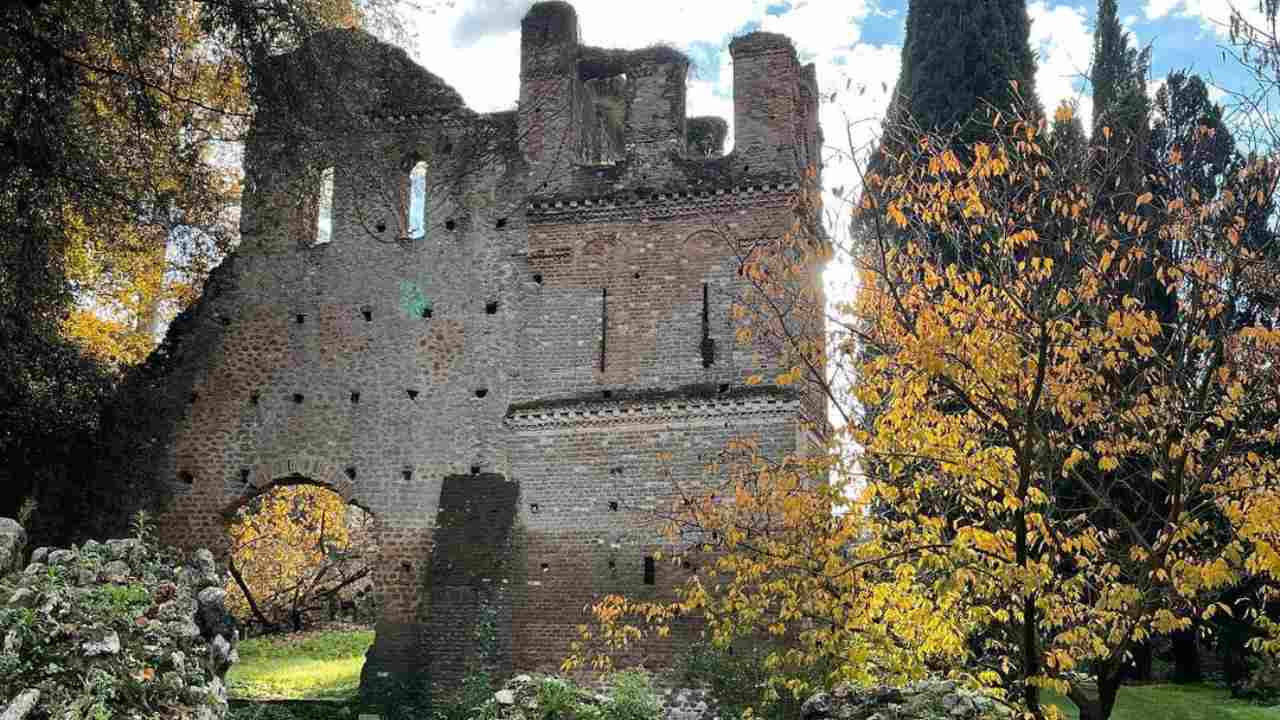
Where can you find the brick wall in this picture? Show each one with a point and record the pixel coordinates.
(501, 390)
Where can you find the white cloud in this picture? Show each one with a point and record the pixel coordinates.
(1063, 42)
(1213, 14)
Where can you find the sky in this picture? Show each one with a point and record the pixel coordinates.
(855, 44)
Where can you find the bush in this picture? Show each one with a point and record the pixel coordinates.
(740, 681)
(631, 697)
(472, 701)
(1261, 684)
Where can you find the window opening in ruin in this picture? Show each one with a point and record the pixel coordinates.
(300, 318)
(450, 224)
(475, 469)
(546, 567)
(253, 398)
(537, 278)
(534, 508)
(417, 216)
(368, 315)
(613, 506)
(501, 224)
(413, 394)
(351, 473)
(491, 307)
(407, 473)
(186, 478)
(355, 398)
(426, 312)
(650, 570)
(613, 564)
(300, 557)
(297, 398)
(606, 394)
(724, 388)
(324, 207)
(194, 397)
(481, 392)
(244, 475)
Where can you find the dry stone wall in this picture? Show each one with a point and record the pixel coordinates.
(561, 324)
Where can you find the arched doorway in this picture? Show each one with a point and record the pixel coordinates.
(301, 557)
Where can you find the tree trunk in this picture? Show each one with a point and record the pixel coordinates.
(1186, 657)
(1142, 657)
(1097, 701)
(248, 596)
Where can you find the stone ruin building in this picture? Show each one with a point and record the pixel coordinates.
(502, 334)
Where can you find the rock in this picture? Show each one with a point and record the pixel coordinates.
(186, 629)
(505, 697)
(86, 576)
(116, 571)
(221, 654)
(62, 557)
(108, 644)
(13, 545)
(12, 642)
(204, 562)
(91, 547)
(211, 613)
(125, 548)
(21, 705)
(924, 700)
(40, 555)
(23, 598)
(817, 706)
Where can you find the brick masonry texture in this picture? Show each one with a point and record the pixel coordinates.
(513, 392)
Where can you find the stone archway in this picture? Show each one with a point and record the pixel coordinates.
(344, 596)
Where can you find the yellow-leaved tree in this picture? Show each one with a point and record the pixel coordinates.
(294, 549)
(1056, 432)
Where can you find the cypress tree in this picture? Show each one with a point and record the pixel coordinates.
(1121, 109)
(959, 58)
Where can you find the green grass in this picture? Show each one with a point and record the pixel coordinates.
(1177, 702)
(322, 664)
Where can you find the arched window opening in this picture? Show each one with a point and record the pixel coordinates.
(324, 207)
(416, 221)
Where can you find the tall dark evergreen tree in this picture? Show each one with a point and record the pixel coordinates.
(1121, 109)
(961, 56)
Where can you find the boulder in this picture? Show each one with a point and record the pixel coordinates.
(21, 706)
(13, 545)
(107, 644)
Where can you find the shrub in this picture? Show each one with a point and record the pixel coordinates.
(631, 697)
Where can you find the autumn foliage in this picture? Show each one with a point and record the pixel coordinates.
(1057, 432)
(294, 550)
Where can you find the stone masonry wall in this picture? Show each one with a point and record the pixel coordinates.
(542, 345)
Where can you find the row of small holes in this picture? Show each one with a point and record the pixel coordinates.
(535, 508)
(490, 308)
(255, 398)
(189, 479)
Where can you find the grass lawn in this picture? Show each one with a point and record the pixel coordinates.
(319, 664)
(1178, 702)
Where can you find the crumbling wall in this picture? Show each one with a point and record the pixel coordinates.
(562, 323)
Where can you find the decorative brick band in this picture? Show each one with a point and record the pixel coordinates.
(668, 412)
(691, 201)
